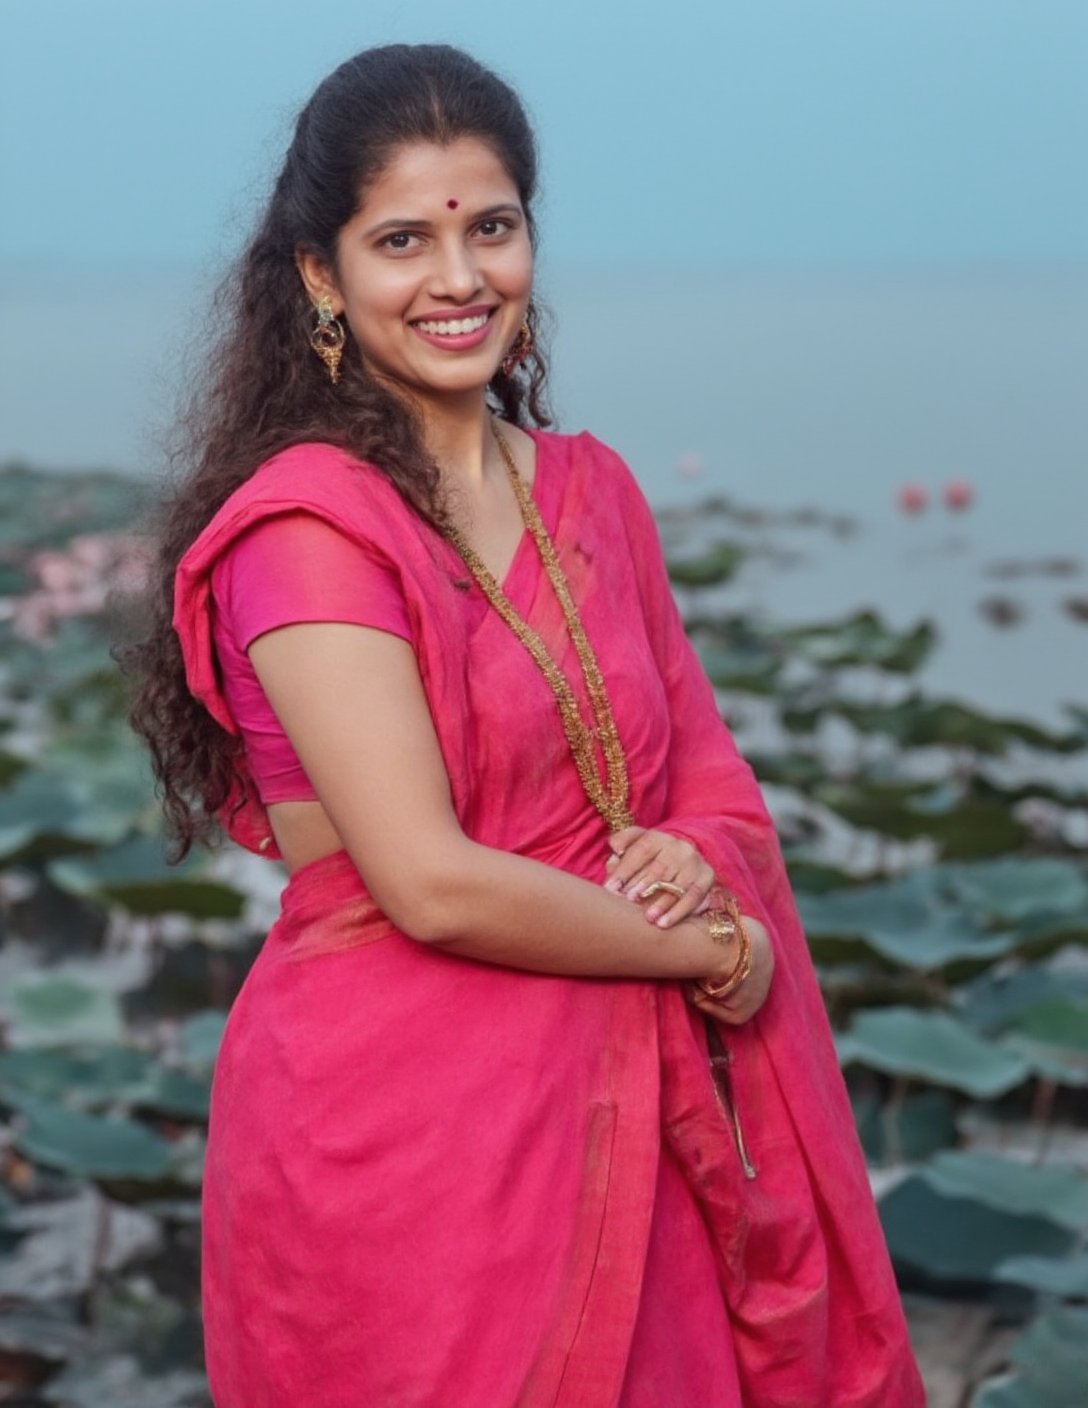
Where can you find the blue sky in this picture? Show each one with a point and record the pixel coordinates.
(796, 130)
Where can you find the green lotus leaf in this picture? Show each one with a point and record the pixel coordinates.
(1054, 1276)
(718, 564)
(135, 874)
(907, 921)
(801, 770)
(120, 1382)
(1053, 1359)
(934, 1047)
(200, 1036)
(1054, 1191)
(960, 1239)
(44, 1334)
(1012, 889)
(993, 1002)
(917, 722)
(921, 1125)
(748, 668)
(174, 1092)
(1057, 1022)
(863, 639)
(42, 815)
(11, 767)
(89, 1146)
(58, 1010)
(1053, 1037)
(1044, 934)
(87, 1079)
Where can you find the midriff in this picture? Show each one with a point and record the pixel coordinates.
(303, 832)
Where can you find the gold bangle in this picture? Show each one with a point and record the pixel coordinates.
(725, 923)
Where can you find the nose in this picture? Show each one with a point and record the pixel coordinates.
(455, 274)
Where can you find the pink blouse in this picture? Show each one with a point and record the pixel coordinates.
(290, 568)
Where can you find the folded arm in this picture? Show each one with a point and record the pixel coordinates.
(351, 701)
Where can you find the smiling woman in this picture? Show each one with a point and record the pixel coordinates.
(484, 1131)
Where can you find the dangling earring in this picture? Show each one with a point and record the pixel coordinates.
(522, 346)
(327, 337)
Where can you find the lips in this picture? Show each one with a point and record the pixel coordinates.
(459, 341)
(446, 315)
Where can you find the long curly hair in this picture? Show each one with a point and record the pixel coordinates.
(261, 389)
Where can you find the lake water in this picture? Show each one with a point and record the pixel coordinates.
(779, 387)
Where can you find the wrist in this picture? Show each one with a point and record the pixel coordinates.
(726, 926)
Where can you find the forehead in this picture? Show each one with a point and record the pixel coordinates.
(427, 172)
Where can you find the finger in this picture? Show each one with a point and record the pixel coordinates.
(626, 836)
(666, 909)
(633, 867)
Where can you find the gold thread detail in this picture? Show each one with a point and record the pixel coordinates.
(611, 800)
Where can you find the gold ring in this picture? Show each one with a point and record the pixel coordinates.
(662, 885)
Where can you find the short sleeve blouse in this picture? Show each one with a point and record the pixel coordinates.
(286, 569)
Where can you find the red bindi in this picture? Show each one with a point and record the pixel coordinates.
(452, 204)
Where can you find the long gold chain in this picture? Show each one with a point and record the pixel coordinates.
(611, 803)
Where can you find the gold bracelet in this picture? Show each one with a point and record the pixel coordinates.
(723, 924)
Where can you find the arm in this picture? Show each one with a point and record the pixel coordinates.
(352, 703)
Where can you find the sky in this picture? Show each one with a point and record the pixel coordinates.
(670, 130)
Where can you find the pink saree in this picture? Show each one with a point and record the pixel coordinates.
(437, 1183)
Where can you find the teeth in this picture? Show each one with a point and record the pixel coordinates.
(455, 325)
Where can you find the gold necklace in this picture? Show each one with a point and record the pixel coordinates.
(611, 803)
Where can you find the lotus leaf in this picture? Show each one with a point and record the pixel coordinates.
(1057, 1192)
(918, 1127)
(1053, 1358)
(136, 875)
(994, 1001)
(89, 1145)
(200, 1038)
(931, 1046)
(1014, 888)
(1053, 1276)
(1053, 1036)
(863, 639)
(57, 1010)
(917, 722)
(120, 1382)
(717, 564)
(908, 921)
(87, 1079)
(960, 1239)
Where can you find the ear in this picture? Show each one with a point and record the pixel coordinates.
(318, 280)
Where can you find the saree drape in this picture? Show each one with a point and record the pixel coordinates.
(430, 1182)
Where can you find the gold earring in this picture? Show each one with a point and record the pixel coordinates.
(522, 346)
(327, 338)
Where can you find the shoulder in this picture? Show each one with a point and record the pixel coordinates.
(610, 479)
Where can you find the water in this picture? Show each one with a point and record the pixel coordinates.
(777, 386)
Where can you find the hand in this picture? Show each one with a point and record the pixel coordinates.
(746, 1000)
(641, 856)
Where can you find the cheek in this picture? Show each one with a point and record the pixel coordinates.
(382, 292)
(513, 270)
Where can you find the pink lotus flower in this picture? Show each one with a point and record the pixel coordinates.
(913, 498)
(958, 494)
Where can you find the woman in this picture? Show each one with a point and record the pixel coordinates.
(472, 1141)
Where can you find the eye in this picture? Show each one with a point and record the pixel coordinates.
(496, 220)
(397, 235)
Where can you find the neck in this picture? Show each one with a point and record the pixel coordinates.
(457, 433)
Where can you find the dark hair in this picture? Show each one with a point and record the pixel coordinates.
(262, 389)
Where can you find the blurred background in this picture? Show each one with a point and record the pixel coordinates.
(819, 270)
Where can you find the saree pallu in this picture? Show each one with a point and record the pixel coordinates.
(437, 1183)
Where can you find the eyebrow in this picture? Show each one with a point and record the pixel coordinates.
(426, 224)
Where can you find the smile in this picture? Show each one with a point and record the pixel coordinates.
(455, 333)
